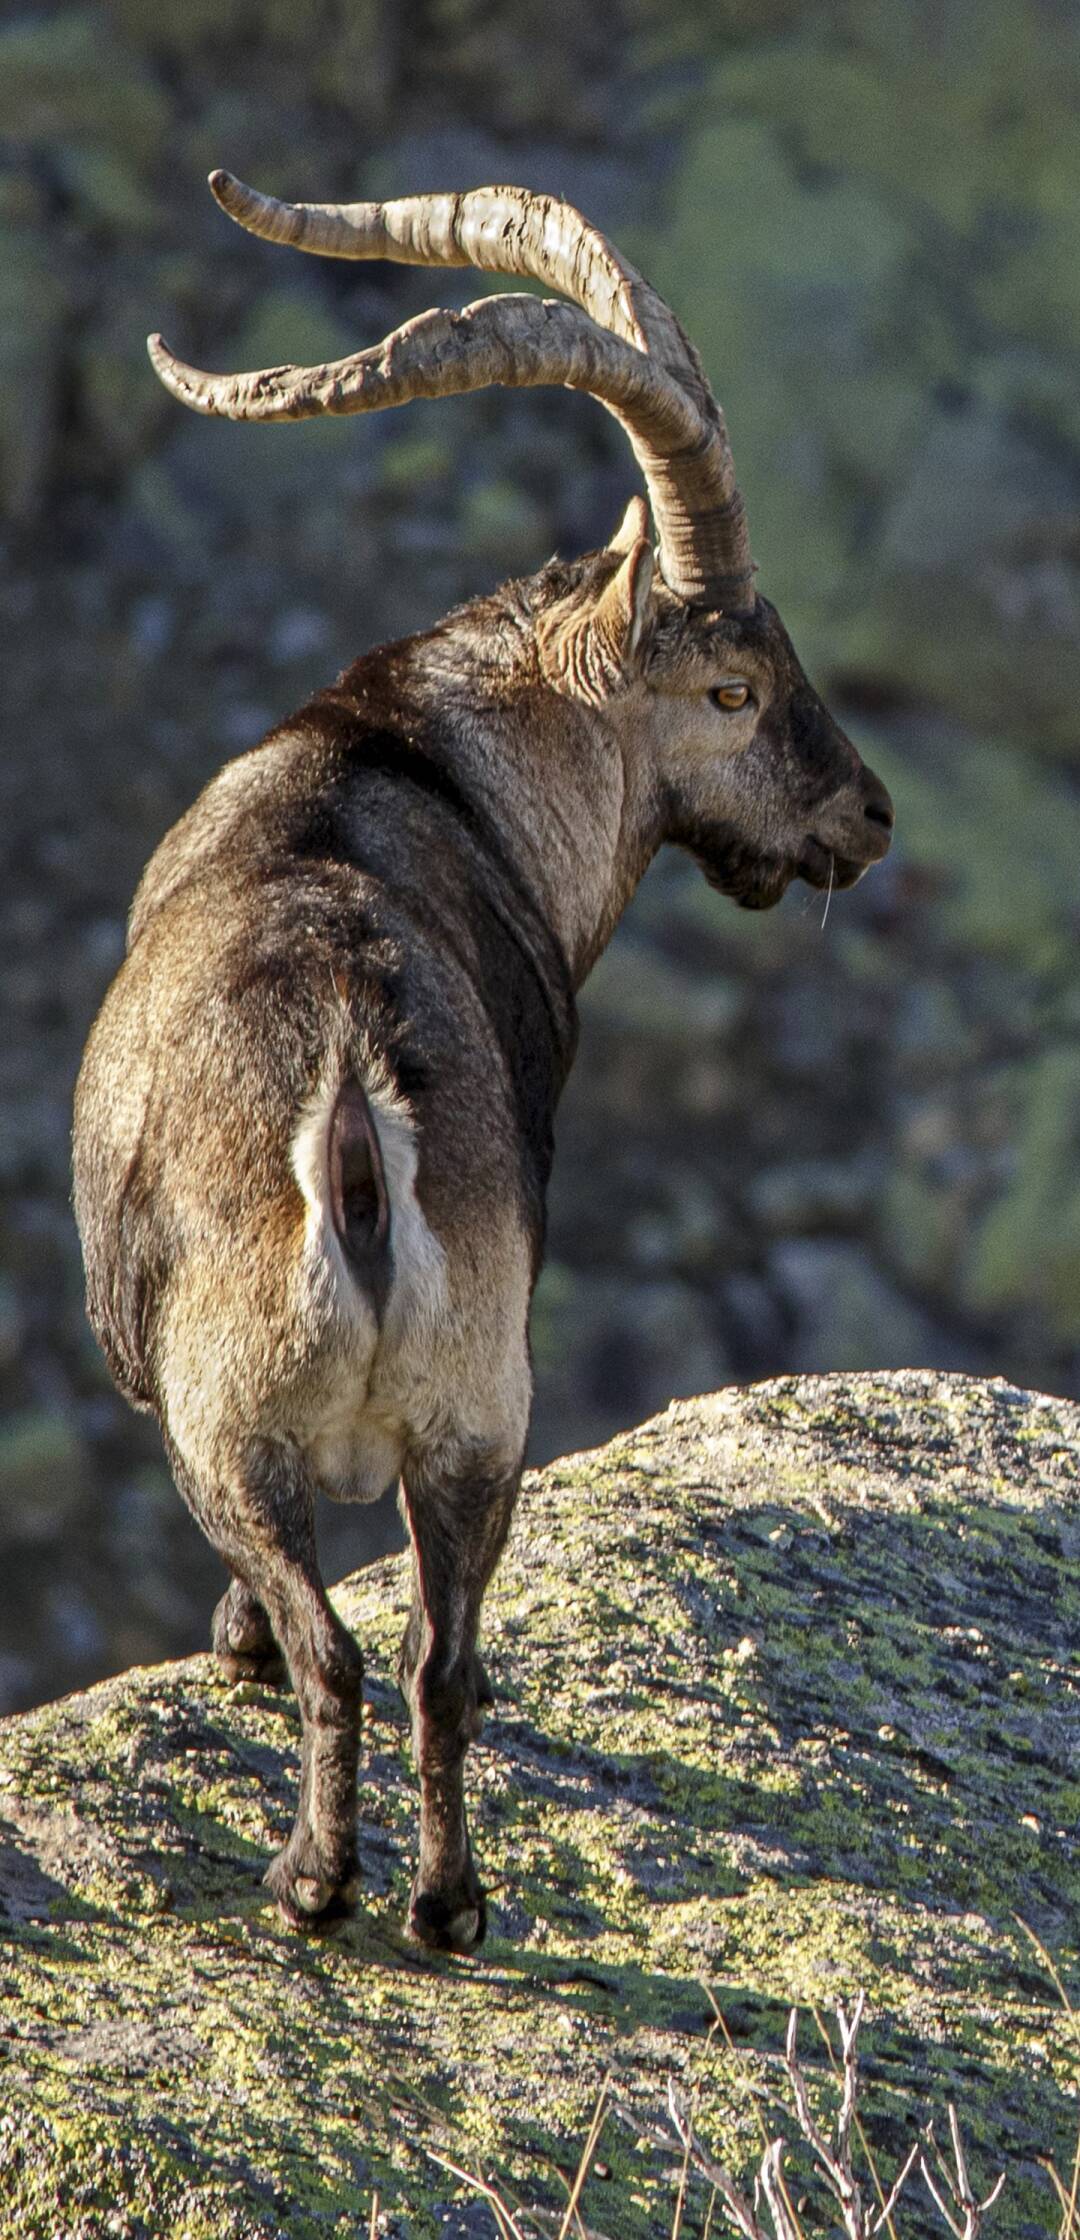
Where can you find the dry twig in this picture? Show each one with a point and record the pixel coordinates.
(962, 2212)
(861, 2220)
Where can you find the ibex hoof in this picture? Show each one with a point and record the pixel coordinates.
(243, 1641)
(266, 1672)
(448, 1925)
(308, 1901)
(311, 1895)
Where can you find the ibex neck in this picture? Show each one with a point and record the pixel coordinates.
(557, 781)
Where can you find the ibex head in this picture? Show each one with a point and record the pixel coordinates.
(751, 772)
(745, 765)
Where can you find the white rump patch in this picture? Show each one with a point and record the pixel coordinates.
(419, 1264)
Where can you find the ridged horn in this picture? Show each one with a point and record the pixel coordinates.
(615, 339)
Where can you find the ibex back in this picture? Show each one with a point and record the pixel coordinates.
(314, 1120)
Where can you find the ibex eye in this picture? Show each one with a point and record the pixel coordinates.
(732, 695)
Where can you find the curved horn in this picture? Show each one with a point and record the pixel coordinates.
(496, 229)
(665, 404)
(511, 342)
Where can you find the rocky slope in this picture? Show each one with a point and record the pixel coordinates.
(786, 1706)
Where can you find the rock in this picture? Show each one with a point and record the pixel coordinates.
(43, 1470)
(32, 310)
(845, 1311)
(783, 1708)
(67, 77)
(635, 990)
(607, 1345)
(804, 1195)
(1025, 1252)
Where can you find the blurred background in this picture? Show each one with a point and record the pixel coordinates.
(788, 1144)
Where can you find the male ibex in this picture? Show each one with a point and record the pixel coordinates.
(314, 1120)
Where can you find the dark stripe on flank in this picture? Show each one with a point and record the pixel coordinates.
(523, 979)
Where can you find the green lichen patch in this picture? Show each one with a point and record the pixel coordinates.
(787, 1706)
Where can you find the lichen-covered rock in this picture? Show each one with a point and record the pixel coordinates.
(786, 1705)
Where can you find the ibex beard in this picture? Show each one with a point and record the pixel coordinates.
(314, 1119)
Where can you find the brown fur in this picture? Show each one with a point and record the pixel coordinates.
(391, 902)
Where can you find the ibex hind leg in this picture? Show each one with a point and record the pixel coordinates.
(411, 1651)
(259, 1516)
(458, 1516)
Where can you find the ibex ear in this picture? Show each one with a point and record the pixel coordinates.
(589, 642)
(633, 526)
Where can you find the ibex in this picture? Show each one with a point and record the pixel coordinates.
(314, 1120)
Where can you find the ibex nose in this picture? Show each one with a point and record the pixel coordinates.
(877, 805)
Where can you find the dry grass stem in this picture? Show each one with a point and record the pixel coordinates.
(511, 2217)
(589, 2149)
(506, 2223)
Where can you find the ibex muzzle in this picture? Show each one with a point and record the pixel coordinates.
(314, 1120)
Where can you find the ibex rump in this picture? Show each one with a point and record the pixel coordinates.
(314, 1119)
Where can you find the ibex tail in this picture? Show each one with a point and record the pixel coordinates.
(359, 1205)
(338, 1162)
